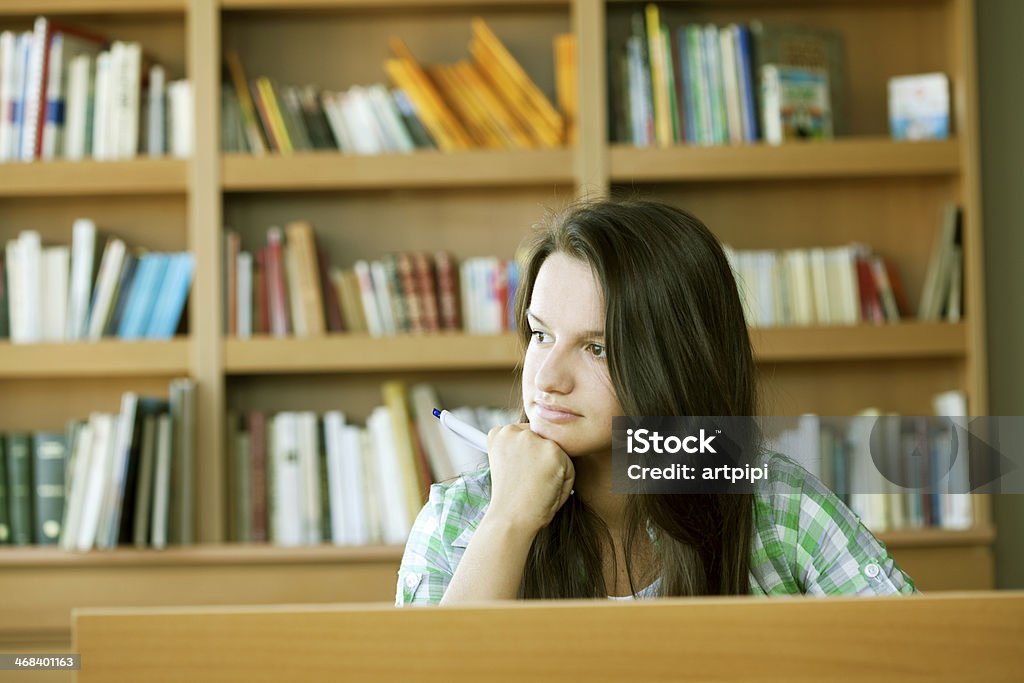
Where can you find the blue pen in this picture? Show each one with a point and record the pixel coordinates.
(465, 431)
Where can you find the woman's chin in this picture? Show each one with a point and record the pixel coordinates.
(557, 434)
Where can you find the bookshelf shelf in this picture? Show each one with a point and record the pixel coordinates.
(334, 171)
(932, 538)
(106, 358)
(36, 7)
(861, 342)
(388, 4)
(72, 178)
(362, 353)
(844, 158)
(205, 554)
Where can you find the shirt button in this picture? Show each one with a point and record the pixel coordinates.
(872, 570)
(411, 580)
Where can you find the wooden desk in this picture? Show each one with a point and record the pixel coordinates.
(948, 637)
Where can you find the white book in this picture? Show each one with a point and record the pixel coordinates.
(130, 77)
(98, 480)
(819, 278)
(65, 49)
(78, 484)
(162, 482)
(106, 284)
(394, 129)
(183, 419)
(764, 265)
(356, 499)
(368, 297)
(243, 324)
(936, 282)
(80, 82)
(800, 286)
(956, 506)
(56, 262)
(8, 65)
(368, 138)
(22, 52)
(33, 90)
(390, 489)
(115, 94)
(850, 292)
(309, 455)
(101, 107)
(83, 255)
(156, 125)
(286, 526)
(54, 93)
(382, 291)
(867, 485)
(179, 94)
(110, 512)
(333, 107)
(30, 273)
(731, 82)
(334, 424)
(371, 476)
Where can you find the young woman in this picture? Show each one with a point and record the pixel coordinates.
(629, 308)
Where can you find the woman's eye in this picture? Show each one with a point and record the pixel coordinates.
(539, 336)
(597, 350)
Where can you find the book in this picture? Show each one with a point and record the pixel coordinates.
(919, 107)
(48, 470)
(795, 104)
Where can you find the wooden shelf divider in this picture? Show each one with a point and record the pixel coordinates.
(87, 177)
(104, 358)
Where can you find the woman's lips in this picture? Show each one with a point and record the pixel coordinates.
(554, 414)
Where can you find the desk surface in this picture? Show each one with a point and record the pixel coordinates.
(952, 636)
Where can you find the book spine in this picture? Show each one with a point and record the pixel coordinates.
(19, 487)
(258, 476)
(50, 455)
(5, 518)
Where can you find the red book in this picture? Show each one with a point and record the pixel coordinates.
(423, 270)
(870, 303)
(410, 293)
(897, 288)
(277, 293)
(448, 291)
(258, 475)
(332, 306)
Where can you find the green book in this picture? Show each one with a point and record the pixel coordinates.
(49, 462)
(5, 521)
(19, 487)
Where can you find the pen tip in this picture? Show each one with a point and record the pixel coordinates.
(437, 413)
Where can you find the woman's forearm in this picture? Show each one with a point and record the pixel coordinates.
(492, 566)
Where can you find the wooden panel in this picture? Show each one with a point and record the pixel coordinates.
(948, 569)
(38, 599)
(406, 5)
(107, 358)
(367, 225)
(54, 178)
(861, 342)
(838, 639)
(48, 7)
(331, 170)
(29, 404)
(848, 157)
(897, 217)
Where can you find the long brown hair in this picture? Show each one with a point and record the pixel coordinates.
(677, 344)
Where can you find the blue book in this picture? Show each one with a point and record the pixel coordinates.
(686, 78)
(747, 98)
(145, 288)
(173, 295)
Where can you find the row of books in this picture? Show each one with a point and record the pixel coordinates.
(839, 453)
(61, 293)
(68, 93)
(289, 288)
(125, 478)
(819, 286)
(486, 102)
(702, 84)
(302, 479)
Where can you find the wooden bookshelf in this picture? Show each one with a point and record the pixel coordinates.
(873, 157)
(70, 178)
(859, 188)
(421, 169)
(106, 358)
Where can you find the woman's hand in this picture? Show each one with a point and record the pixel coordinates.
(531, 477)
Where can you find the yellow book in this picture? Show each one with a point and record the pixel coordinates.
(347, 285)
(566, 85)
(515, 82)
(266, 92)
(300, 239)
(659, 77)
(475, 120)
(415, 482)
(252, 126)
(508, 128)
(456, 132)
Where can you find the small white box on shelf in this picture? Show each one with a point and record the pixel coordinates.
(919, 107)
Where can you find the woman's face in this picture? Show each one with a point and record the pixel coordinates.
(567, 391)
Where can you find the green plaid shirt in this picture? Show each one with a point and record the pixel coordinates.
(806, 541)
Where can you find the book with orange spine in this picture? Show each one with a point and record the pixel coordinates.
(503, 121)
